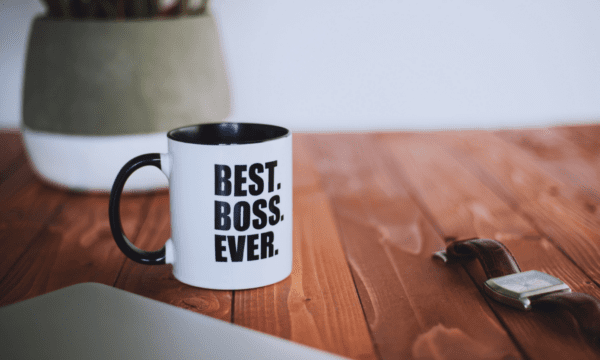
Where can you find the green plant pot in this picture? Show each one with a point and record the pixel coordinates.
(116, 85)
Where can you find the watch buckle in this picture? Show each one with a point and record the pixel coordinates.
(441, 255)
(519, 303)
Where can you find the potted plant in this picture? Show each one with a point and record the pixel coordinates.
(104, 80)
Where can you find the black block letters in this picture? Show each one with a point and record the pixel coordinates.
(248, 214)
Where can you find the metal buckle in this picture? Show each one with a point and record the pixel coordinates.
(441, 255)
(518, 289)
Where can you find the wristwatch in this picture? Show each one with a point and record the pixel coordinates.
(524, 290)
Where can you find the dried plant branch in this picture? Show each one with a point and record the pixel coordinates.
(121, 9)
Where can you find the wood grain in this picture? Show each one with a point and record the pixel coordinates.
(569, 156)
(389, 242)
(15, 172)
(11, 151)
(76, 246)
(590, 131)
(529, 190)
(23, 217)
(317, 305)
(157, 281)
(368, 212)
(460, 198)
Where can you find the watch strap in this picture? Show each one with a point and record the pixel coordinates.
(495, 259)
(583, 307)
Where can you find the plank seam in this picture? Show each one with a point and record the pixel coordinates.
(233, 306)
(145, 212)
(491, 183)
(59, 208)
(398, 172)
(504, 324)
(13, 167)
(336, 217)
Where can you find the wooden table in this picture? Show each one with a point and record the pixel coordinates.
(369, 210)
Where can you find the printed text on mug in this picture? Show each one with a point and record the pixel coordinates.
(241, 181)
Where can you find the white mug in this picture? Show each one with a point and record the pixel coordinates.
(231, 205)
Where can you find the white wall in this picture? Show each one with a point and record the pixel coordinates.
(15, 18)
(388, 64)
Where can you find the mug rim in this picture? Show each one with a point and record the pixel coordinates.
(260, 133)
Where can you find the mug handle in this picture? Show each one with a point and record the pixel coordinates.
(157, 257)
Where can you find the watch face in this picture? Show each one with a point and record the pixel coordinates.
(526, 284)
(527, 281)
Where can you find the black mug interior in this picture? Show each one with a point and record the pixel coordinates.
(227, 133)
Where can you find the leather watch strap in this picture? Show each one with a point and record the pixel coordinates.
(584, 308)
(498, 261)
(494, 257)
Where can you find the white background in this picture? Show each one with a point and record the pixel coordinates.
(385, 64)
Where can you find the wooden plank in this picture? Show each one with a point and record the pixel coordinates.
(590, 131)
(15, 172)
(411, 302)
(518, 180)
(20, 192)
(584, 138)
(463, 207)
(460, 204)
(20, 178)
(11, 149)
(10, 168)
(317, 305)
(157, 281)
(569, 156)
(23, 217)
(76, 246)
